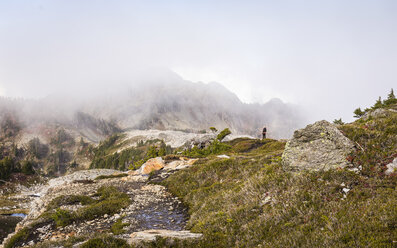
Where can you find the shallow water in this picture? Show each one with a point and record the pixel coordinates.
(18, 215)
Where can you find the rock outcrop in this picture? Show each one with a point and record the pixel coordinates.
(319, 146)
(180, 164)
(151, 235)
(152, 164)
(378, 113)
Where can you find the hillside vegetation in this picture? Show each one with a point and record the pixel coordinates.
(112, 153)
(250, 201)
(245, 198)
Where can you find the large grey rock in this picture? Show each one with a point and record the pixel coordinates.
(378, 113)
(319, 146)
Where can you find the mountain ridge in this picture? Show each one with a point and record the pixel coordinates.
(175, 105)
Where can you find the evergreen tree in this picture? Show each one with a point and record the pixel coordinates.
(358, 113)
(152, 152)
(162, 151)
(391, 99)
(338, 121)
(7, 166)
(378, 104)
(391, 95)
(27, 168)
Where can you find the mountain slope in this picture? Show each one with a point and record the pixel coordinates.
(165, 102)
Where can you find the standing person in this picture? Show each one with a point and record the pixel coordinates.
(264, 133)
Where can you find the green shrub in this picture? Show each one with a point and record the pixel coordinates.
(225, 132)
(110, 202)
(376, 142)
(151, 153)
(216, 147)
(213, 129)
(391, 99)
(358, 113)
(69, 200)
(18, 238)
(117, 227)
(68, 243)
(338, 121)
(62, 217)
(28, 167)
(105, 242)
(378, 104)
(26, 233)
(136, 165)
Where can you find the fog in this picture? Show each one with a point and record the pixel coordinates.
(328, 57)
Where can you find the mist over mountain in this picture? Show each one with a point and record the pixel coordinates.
(162, 101)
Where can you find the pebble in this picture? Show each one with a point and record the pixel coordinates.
(345, 190)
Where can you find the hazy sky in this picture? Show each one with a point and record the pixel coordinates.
(328, 56)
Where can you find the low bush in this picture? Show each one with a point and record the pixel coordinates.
(26, 233)
(216, 147)
(110, 202)
(376, 143)
(62, 217)
(105, 242)
(225, 132)
(118, 227)
(69, 200)
(18, 238)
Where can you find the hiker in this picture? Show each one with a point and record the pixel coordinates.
(264, 133)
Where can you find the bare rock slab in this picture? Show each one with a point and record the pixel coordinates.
(180, 164)
(319, 146)
(152, 164)
(151, 235)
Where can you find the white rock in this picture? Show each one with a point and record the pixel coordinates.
(174, 164)
(392, 167)
(223, 156)
(345, 190)
(150, 235)
(267, 200)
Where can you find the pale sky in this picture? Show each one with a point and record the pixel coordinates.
(329, 56)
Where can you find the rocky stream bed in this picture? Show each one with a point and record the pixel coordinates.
(151, 206)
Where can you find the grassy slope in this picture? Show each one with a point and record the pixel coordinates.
(249, 201)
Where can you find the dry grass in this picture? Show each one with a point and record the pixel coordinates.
(251, 202)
